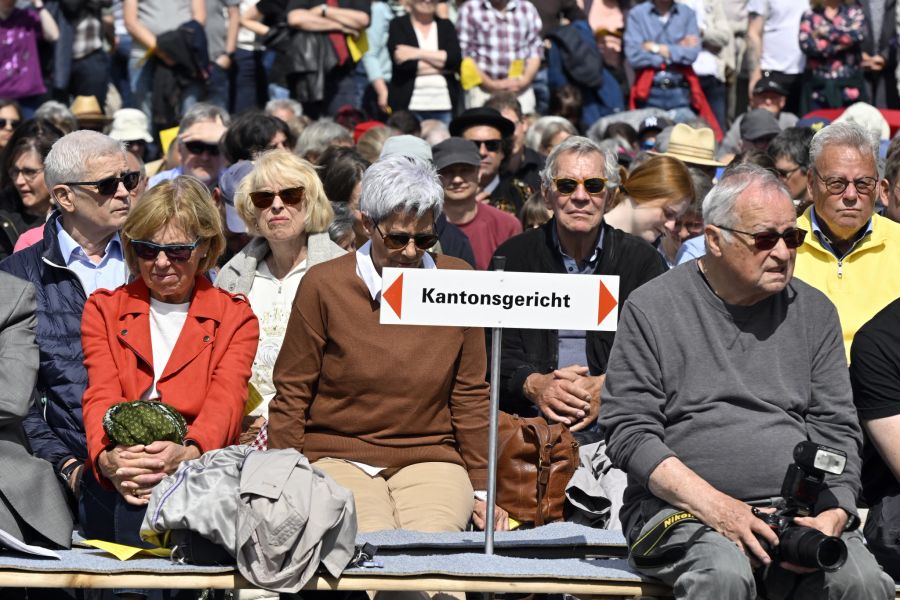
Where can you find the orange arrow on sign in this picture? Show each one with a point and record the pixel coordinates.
(606, 303)
(394, 295)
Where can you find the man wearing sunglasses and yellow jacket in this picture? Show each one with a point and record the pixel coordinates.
(851, 253)
(558, 374)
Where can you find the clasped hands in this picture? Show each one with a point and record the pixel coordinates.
(135, 470)
(569, 395)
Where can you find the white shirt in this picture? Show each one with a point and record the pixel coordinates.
(429, 91)
(271, 300)
(166, 322)
(781, 30)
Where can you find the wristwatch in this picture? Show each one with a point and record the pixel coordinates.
(654, 48)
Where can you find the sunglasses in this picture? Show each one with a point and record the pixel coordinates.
(490, 145)
(174, 252)
(837, 185)
(200, 148)
(766, 240)
(289, 196)
(27, 173)
(108, 185)
(11, 123)
(399, 241)
(592, 185)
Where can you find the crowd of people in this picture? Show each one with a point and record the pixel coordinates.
(197, 201)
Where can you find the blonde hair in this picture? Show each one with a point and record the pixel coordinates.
(283, 169)
(184, 202)
(659, 178)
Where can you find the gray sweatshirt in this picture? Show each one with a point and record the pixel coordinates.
(729, 390)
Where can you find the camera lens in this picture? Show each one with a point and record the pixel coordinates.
(809, 547)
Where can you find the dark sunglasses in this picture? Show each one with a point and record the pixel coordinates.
(837, 185)
(491, 145)
(766, 240)
(289, 196)
(399, 241)
(13, 123)
(592, 185)
(108, 185)
(174, 252)
(200, 148)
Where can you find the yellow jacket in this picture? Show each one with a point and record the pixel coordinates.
(863, 282)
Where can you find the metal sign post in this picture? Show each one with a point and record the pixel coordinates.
(499, 263)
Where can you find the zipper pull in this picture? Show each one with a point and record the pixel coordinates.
(840, 269)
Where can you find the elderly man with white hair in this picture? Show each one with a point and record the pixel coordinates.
(721, 367)
(851, 252)
(88, 177)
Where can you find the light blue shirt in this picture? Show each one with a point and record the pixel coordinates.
(109, 273)
(826, 243)
(164, 176)
(645, 24)
(691, 249)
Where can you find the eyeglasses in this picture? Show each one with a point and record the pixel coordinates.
(108, 185)
(837, 185)
(785, 173)
(592, 185)
(11, 123)
(490, 145)
(399, 241)
(27, 173)
(174, 252)
(766, 240)
(289, 196)
(201, 147)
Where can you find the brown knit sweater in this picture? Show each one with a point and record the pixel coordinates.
(384, 395)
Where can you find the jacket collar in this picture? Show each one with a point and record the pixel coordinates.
(52, 252)
(205, 301)
(875, 239)
(607, 234)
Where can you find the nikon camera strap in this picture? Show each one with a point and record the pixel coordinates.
(645, 551)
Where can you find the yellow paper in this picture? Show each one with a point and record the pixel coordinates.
(123, 552)
(513, 524)
(358, 45)
(516, 68)
(469, 77)
(254, 399)
(166, 137)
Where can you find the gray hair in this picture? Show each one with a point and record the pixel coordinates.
(844, 133)
(342, 224)
(69, 157)
(718, 206)
(546, 128)
(581, 145)
(58, 114)
(285, 103)
(316, 138)
(399, 184)
(203, 111)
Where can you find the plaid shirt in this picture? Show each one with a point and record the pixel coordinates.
(494, 39)
(87, 37)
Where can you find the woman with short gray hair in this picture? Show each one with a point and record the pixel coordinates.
(398, 415)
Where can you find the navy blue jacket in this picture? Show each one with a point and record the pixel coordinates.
(54, 425)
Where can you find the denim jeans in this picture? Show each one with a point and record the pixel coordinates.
(444, 116)
(717, 96)
(119, 70)
(90, 76)
(248, 81)
(218, 86)
(142, 72)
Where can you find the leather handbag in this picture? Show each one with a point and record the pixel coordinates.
(535, 461)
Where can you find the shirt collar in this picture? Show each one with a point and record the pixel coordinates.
(365, 268)
(672, 11)
(591, 262)
(72, 251)
(490, 187)
(826, 243)
(511, 5)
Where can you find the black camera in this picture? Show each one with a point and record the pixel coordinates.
(805, 546)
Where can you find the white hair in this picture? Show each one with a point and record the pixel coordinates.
(68, 158)
(718, 206)
(399, 184)
(844, 133)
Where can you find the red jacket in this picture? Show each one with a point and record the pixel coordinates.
(643, 81)
(206, 376)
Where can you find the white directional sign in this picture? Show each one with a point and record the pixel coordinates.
(499, 299)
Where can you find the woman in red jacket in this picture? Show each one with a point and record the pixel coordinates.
(171, 336)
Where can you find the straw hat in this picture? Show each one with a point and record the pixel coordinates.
(694, 146)
(87, 110)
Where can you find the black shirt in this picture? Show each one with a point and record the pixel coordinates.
(875, 376)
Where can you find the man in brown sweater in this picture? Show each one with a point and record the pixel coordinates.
(398, 414)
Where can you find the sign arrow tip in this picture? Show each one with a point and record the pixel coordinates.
(606, 303)
(394, 296)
